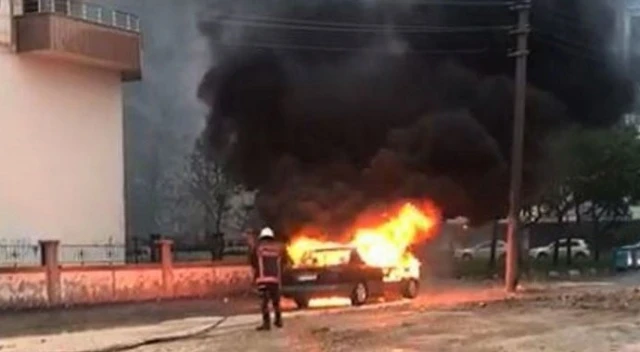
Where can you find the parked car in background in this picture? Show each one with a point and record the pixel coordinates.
(626, 257)
(481, 251)
(579, 249)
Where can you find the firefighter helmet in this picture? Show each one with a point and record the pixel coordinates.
(266, 233)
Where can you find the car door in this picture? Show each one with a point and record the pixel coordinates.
(361, 272)
(483, 250)
(501, 248)
(562, 248)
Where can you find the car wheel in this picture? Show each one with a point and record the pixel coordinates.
(410, 288)
(302, 302)
(542, 256)
(466, 257)
(360, 294)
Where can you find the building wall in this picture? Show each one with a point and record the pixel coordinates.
(61, 152)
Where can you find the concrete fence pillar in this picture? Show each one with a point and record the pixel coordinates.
(49, 260)
(166, 262)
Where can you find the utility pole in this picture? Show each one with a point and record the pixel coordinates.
(513, 248)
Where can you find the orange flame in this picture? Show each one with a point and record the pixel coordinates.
(385, 245)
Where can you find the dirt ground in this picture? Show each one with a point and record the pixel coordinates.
(580, 317)
(585, 320)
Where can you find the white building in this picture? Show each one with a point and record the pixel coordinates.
(62, 66)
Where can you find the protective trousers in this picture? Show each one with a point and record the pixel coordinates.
(270, 292)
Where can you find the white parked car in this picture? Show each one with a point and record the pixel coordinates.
(481, 250)
(579, 249)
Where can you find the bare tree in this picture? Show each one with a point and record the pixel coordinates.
(243, 211)
(210, 187)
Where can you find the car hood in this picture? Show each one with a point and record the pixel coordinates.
(538, 249)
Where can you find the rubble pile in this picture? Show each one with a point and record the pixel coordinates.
(619, 299)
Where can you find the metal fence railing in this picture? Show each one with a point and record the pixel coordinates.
(142, 249)
(19, 255)
(92, 254)
(85, 11)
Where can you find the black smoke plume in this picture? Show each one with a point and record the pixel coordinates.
(326, 121)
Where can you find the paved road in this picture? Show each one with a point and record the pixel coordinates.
(88, 318)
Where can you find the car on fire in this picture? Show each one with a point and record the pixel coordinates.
(341, 272)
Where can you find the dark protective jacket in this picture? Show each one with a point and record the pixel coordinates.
(267, 262)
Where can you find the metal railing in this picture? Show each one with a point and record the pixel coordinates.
(92, 254)
(19, 255)
(138, 250)
(85, 11)
(141, 250)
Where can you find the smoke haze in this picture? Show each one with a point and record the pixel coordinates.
(327, 119)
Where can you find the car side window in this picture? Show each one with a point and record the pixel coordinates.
(561, 243)
(355, 259)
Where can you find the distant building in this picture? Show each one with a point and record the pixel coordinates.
(62, 65)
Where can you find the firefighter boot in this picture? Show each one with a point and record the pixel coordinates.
(278, 322)
(266, 323)
(263, 327)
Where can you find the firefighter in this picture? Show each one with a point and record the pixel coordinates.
(267, 263)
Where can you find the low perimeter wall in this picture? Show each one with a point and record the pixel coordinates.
(52, 285)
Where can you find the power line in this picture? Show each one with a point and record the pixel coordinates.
(571, 50)
(460, 3)
(468, 51)
(257, 17)
(286, 20)
(566, 41)
(565, 22)
(567, 16)
(379, 29)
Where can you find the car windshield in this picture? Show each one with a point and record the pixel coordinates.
(327, 257)
(575, 242)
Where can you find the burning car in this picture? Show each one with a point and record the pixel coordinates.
(375, 262)
(340, 272)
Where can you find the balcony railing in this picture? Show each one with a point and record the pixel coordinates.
(85, 11)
